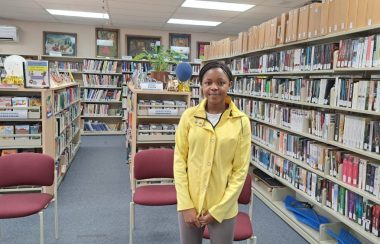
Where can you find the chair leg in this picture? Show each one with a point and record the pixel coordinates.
(42, 241)
(131, 221)
(254, 240)
(56, 217)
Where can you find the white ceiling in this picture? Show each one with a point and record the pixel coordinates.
(148, 14)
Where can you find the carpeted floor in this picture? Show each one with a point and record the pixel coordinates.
(94, 207)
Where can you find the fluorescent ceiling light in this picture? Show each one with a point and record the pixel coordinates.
(78, 14)
(239, 7)
(193, 22)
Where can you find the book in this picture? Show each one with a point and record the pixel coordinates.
(36, 74)
(21, 129)
(20, 102)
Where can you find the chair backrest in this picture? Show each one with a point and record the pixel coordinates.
(245, 195)
(154, 163)
(26, 169)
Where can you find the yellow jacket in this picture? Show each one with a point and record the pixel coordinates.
(211, 164)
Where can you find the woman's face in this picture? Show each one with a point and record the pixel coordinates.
(215, 85)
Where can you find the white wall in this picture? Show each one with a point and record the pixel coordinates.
(30, 38)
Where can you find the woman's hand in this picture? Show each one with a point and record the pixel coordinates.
(190, 217)
(206, 219)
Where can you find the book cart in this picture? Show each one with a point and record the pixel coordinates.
(313, 100)
(151, 119)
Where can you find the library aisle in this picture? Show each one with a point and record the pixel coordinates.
(94, 207)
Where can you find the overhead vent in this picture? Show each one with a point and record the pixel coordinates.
(8, 33)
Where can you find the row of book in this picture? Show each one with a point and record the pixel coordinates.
(350, 168)
(4, 152)
(316, 57)
(101, 80)
(195, 91)
(66, 66)
(132, 66)
(158, 103)
(358, 94)
(20, 129)
(354, 131)
(66, 117)
(349, 204)
(101, 94)
(90, 125)
(100, 109)
(363, 52)
(100, 66)
(194, 102)
(9, 102)
(65, 98)
(65, 138)
(157, 129)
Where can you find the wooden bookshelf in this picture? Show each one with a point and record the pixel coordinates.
(50, 112)
(136, 115)
(246, 99)
(101, 90)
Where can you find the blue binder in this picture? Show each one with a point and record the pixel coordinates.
(305, 213)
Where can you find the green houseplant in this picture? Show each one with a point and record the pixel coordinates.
(160, 59)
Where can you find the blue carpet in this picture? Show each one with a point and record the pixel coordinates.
(94, 207)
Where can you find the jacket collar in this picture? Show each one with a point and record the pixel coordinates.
(232, 111)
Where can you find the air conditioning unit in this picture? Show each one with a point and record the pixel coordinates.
(8, 33)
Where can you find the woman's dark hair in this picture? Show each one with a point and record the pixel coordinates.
(213, 65)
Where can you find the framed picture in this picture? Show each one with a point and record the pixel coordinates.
(138, 44)
(181, 43)
(58, 43)
(36, 74)
(201, 49)
(107, 42)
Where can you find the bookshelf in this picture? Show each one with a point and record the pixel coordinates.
(29, 118)
(151, 118)
(315, 119)
(101, 90)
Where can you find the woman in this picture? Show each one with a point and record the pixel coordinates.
(211, 160)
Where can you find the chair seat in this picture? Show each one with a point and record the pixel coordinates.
(22, 204)
(243, 228)
(155, 195)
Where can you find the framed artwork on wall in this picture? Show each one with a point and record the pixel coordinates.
(201, 49)
(138, 44)
(59, 43)
(181, 43)
(107, 42)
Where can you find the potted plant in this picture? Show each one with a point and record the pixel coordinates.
(160, 59)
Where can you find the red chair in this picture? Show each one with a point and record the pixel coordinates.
(152, 165)
(243, 227)
(27, 169)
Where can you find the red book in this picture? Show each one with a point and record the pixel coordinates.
(345, 167)
(355, 171)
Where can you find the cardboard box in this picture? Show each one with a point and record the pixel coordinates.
(295, 24)
(261, 35)
(282, 28)
(352, 11)
(267, 36)
(324, 21)
(361, 16)
(303, 23)
(314, 20)
(289, 27)
(373, 16)
(343, 6)
(332, 16)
